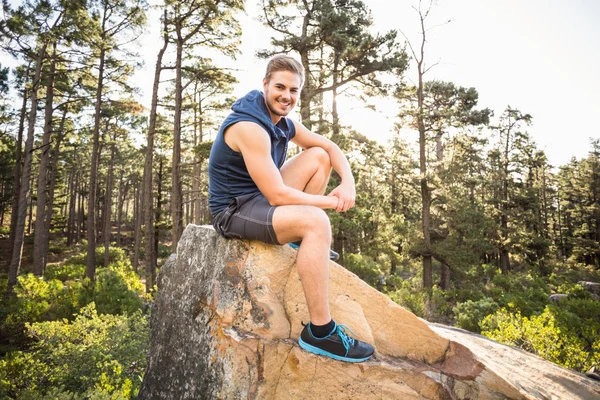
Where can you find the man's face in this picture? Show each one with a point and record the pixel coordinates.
(281, 93)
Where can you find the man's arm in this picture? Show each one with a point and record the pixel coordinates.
(254, 143)
(346, 191)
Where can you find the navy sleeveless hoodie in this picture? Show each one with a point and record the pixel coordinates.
(227, 172)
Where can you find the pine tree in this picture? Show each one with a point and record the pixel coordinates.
(29, 30)
(194, 24)
(116, 22)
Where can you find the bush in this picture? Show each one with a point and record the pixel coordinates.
(469, 314)
(65, 272)
(568, 335)
(437, 308)
(95, 356)
(164, 251)
(58, 245)
(523, 292)
(117, 290)
(4, 232)
(116, 254)
(365, 267)
(40, 300)
(411, 297)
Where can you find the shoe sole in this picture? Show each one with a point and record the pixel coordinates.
(322, 352)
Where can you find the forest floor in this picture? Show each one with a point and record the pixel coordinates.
(58, 250)
(27, 258)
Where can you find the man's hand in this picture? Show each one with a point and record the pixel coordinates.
(346, 195)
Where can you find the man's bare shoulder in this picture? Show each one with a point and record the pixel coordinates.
(244, 131)
(246, 128)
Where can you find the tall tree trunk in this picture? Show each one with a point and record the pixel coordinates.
(126, 212)
(425, 193)
(108, 201)
(30, 216)
(99, 208)
(545, 203)
(17, 171)
(17, 252)
(305, 93)
(52, 184)
(39, 236)
(147, 202)
(335, 126)
(79, 225)
(157, 215)
(393, 210)
(504, 254)
(90, 270)
(120, 202)
(201, 200)
(196, 168)
(3, 210)
(177, 192)
(137, 221)
(444, 268)
(71, 209)
(338, 240)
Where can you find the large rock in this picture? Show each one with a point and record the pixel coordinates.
(228, 314)
(592, 287)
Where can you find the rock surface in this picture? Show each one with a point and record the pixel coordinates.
(228, 314)
(592, 287)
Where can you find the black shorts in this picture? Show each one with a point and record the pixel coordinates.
(247, 217)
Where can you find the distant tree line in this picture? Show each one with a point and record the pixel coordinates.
(79, 157)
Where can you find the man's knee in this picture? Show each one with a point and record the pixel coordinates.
(310, 219)
(320, 156)
(318, 222)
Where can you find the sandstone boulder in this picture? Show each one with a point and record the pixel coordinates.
(228, 314)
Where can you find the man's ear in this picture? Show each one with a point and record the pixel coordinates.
(265, 83)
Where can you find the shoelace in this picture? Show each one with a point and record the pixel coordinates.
(347, 341)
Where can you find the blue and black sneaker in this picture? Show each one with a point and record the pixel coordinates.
(337, 345)
(333, 256)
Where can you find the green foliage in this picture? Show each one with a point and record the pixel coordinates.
(470, 313)
(81, 342)
(410, 298)
(40, 300)
(93, 356)
(116, 254)
(65, 272)
(117, 290)
(4, 231)
(568, 335)
(365, 267)
(164, 251)
(202, 150)
(527, 293)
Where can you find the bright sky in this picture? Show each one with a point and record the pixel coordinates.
(540, 56)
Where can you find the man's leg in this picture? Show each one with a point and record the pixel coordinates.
(308, 171)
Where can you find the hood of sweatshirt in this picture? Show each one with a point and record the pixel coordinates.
(252, 107)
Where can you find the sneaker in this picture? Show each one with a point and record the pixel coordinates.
(337, 345)
(333, 256)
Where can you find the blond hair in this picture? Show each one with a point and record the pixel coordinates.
(283, 62)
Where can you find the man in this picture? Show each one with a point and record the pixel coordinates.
(255, 194)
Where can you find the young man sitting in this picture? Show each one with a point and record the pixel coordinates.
(255, 194)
